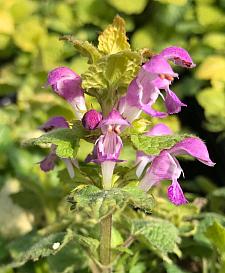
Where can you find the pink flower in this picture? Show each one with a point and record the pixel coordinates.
(67, 84)
(165, 166)
(154, 76)
(108, 146)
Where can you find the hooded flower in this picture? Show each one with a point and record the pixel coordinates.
(179, 56)
(165, 166)
(48, 163)
(108, 145)
(155, 75)
(67, 84)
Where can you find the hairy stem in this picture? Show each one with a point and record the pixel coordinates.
(105, 243)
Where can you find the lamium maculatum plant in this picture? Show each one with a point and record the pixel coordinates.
(126, 84)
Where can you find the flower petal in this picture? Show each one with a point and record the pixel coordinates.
(69, 167)
(163, 167)
(173, 103)
(60, 73)
(175, 194)
(193, 146)
(152, 112)
(107, 148)
(48, 163)
(142, 160)
(178, 55)
(157, 66)
(130, 113)
(114, 118)
(54, 123)
(159, 130)
(67, 84)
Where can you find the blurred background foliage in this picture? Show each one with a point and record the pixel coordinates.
(31, 200)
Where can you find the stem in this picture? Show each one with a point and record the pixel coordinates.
(106, 223)
(105, 243)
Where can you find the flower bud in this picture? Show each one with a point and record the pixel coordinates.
(91, 119)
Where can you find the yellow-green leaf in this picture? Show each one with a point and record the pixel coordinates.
(113, 39)
(85, 48)
(153, 145)
(212, 68)
(6, 23)
(174, 2)
(216, 234)
(115, 71)
(213, 101)
(129, 7)
(209, 15)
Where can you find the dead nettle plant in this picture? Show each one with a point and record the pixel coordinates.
(125, 83)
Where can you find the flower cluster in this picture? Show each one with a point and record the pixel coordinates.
(154, 76)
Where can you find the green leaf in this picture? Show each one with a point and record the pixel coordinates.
(67, 141)
(113, 39)
(115, 71)
(216, 234)
(160, 235)
(98, 203)
(93, 78)
(205, 223)
(139, 199)
(117, 239)
(138, 268)
(121, 68)
(129, 7)
(88, 243)
(32, 246)
(85, 48)
(69, 260)
(153, 145)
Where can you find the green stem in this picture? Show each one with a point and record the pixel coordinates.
(106, 222)
(105, 243)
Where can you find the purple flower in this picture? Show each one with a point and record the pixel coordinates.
(179, 56)
(165, 166)
(159, 130)
(48, 163)
(54, 123)
(108, 146)
(91, 119)
(67, 84)
(114, 121)
(155, 75)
